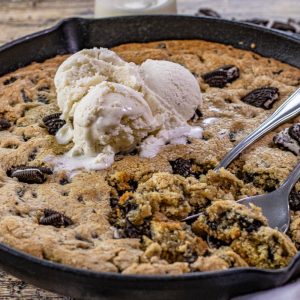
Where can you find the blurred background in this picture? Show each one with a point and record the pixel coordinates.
(20, 17)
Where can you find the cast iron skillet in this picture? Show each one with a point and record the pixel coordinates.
(74, 34)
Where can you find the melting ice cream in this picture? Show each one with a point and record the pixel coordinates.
(112, 106)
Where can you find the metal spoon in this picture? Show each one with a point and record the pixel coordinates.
(275, 205)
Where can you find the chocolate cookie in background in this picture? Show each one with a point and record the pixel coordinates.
(290, 25)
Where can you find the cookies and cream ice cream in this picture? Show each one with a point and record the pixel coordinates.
(112, 106)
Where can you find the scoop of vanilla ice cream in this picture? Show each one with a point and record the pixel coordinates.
(173, 94)
(87, 68)
(84, 70)
(111, 118)
(178, 90)
(113, 106)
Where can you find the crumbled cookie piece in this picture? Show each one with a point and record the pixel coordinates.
(228, 220)
(186, 191)
(162, 196)
(265, 248)
(244, 229)
(122, 182)
(177, 242)
(172, 205)
(294, 231)
(221, 259)
(222, 185)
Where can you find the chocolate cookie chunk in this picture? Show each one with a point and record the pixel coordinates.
(294, 132)
(208, 12)
(25, 96)
(283, 26)
(10, 80)
(285, 139)
(181, 166)
(262, 97)
(43, 98)
(53, 123)
(30, 174)
(197, 115)
(4, 124)
(294, 200)
(221, 76)
(134, 232)
(55, 218)
(257, 21)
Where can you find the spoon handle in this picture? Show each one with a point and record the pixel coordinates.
(291, 180)
(289, 109)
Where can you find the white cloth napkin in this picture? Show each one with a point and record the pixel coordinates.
(288, 292)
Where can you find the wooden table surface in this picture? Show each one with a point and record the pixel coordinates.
(21, 17)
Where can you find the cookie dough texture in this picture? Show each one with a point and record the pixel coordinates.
(127, 218)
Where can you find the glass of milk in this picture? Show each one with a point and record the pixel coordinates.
(108, 8)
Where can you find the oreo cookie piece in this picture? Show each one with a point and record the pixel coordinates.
(55, 218)
(294, 132)
(4, 124)
(262, 97)
(221, 76)
(294, 200)
(181, 166)
(53, 123)
(30, 174)
(25, 96)
(10, 80)
(283, 27)
(256, 21)
(208, 12)
(197, 115)
(284, 141)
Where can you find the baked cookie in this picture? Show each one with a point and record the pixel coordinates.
(127, 218)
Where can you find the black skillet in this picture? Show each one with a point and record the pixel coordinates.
(74, 34)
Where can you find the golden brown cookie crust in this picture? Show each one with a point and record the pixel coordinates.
(28, 94)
